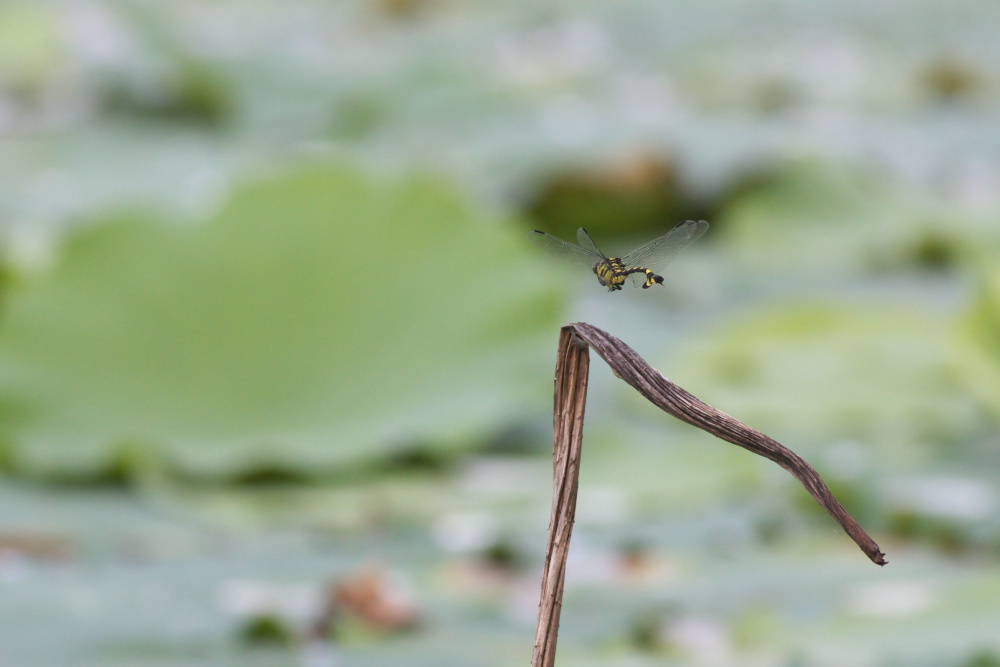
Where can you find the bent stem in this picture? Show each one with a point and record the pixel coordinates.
(572, 368)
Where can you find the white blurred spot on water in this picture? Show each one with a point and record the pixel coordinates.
(465, 532)
(946, 497)
(702, 637)
(245, 598)
(895, 599)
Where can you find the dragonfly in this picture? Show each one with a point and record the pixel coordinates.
(640, 265)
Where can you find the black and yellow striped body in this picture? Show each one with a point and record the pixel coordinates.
(612, 274)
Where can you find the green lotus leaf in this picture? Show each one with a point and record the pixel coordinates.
(822, 373)
(319, 319)
(979, 351)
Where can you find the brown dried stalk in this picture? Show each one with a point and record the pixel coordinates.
(572, 370)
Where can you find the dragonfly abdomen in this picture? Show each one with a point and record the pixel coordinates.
(651, 278)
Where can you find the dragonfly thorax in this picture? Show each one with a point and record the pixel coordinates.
(611, 273)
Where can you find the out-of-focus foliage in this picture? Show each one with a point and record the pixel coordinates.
(825, 217)
(319, 318)
(845, 154)
(822, 372)
(979, 353)
(29, 51)
(809, 213)
(637, 194)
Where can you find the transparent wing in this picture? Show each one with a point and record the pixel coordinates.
(583, 238)
(638, 279)
(564, 250)
(658, 253)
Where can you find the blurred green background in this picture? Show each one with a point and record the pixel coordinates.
(276, 355)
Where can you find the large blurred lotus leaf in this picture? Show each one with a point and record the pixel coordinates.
(319, 319)
(979, 351)
(820, 216)
(824, 373)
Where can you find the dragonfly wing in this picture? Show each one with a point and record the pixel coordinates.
(659, 252)
(564, 250)
(583, 238)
